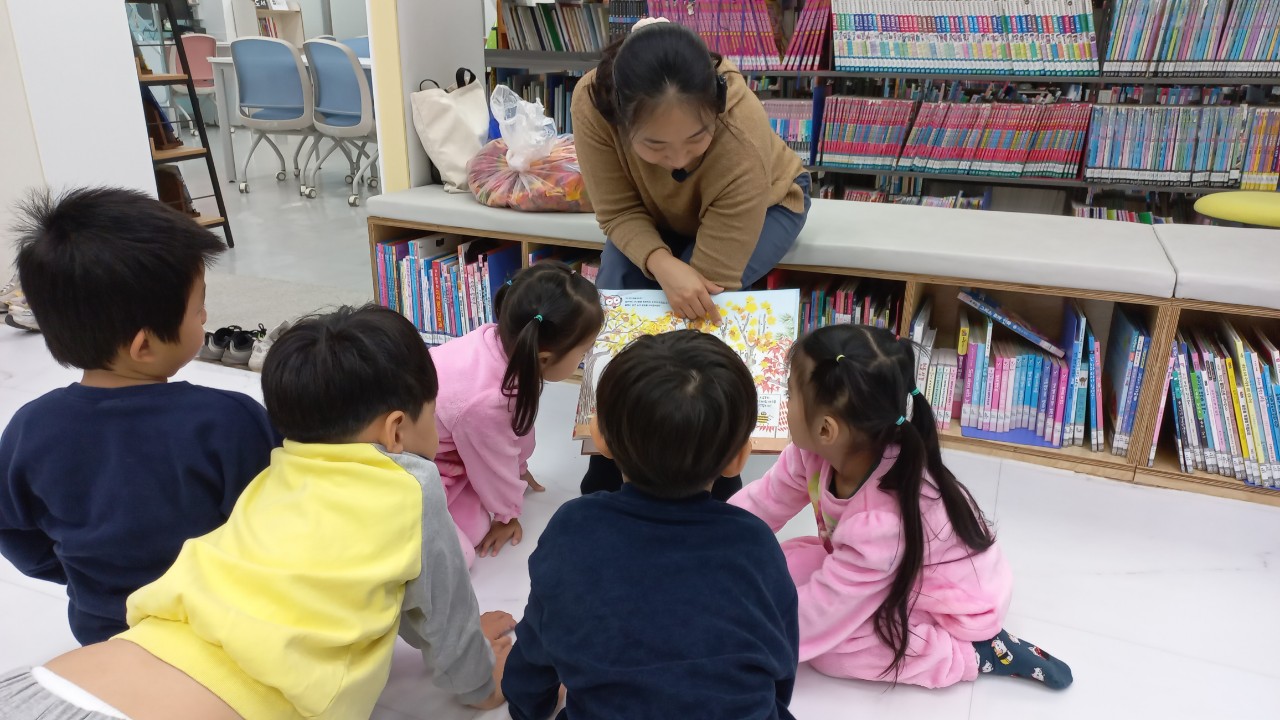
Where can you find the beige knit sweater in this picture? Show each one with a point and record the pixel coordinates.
(747, 169)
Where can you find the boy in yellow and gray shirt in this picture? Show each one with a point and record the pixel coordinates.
(292, 608)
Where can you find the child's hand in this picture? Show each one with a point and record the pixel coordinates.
(496, 624)
(499, 534)
(533, 484)
(501, 649)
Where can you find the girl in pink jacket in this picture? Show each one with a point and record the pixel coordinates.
(904, 581)
(490, 383)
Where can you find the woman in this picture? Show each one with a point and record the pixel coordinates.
(690, 184)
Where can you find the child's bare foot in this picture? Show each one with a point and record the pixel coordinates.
(533, 484)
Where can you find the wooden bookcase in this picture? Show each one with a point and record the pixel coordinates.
(1165, 472)
(1040, 304)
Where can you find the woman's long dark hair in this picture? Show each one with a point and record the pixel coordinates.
(544, 308)
(866, 376)
(650, 64)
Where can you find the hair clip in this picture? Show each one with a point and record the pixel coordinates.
(538, 318)
(901, 419)
(839, 358)
(508, 283)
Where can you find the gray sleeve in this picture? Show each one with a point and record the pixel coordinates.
(440, 615)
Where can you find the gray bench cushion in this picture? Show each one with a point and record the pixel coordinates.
(1237, 266)
(995, 246)
(1023, 248)
(431, 204)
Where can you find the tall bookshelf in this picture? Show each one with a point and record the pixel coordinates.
(1111, 80)
(266, 19)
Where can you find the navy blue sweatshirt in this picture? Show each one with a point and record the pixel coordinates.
(649, 608)
(100, 487)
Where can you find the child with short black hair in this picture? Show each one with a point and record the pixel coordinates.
(656, 600)
(491, 381)
(102, 481)
(291, 609)
(904, 581)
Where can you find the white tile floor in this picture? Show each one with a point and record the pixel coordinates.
(1166, 604)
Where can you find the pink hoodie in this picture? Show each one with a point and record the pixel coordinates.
(477, 444)
(962, 597)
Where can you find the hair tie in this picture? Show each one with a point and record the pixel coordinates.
(645, 22)
(916, 391)
(839, 358)
(901, 419)
(538, 318)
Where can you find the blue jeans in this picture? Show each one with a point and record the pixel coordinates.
(781, 228)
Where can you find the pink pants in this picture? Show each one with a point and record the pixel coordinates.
(934, 657)
(470, 518)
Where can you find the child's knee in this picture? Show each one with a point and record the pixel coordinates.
(805, 556)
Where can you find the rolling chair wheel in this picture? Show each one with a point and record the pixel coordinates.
(373, 182)
(349, 179)
(296, 172)
(280, 176)
(244, 188)
(311, 193)
(302, 190)
(354, 201)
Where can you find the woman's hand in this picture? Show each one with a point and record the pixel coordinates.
(688, 292)
(499, 534)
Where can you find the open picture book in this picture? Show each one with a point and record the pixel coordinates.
(760, 326)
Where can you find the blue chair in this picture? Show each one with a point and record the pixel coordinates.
(343, 109)
(358, 45)
(276, 96)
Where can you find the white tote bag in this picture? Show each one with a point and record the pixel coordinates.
(453, 125)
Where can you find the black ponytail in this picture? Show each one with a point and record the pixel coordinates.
(646, 66)
(545, 308)
(867, 377)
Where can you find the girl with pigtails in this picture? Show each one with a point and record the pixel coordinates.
(904, 581)
(490, 383)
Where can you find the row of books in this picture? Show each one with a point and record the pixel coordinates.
(1103, 212)
(740, 30)
(444, 284)
(1222, 394)
(807, 46)
(959, 200)
(555, 91)
(1002, 140)
(557, 27)
(624, 14)
(842, 301)
(1175, 95)
(1034, 37)
(1219, 146)
(994, 139)
(1195, 37)
(1016, 387)
(268, 27)
(793, 121)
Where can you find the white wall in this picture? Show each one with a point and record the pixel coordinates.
(22, 168)
(349, 19)
(430, 48)
(89, 129)
(313, 16)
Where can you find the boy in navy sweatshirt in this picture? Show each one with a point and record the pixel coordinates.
(658, 601)
(102, 481)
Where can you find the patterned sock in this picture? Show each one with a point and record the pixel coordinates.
(1005, 654)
